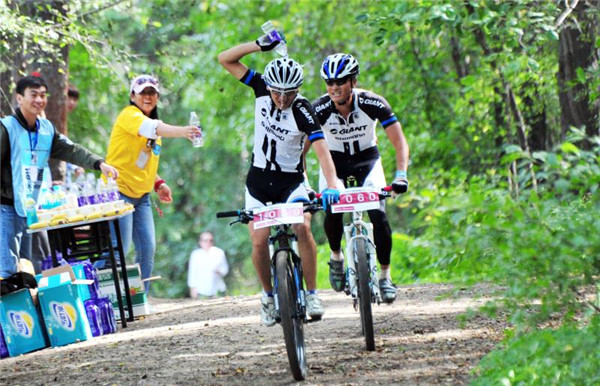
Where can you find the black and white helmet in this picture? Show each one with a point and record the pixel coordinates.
(284, 74)
(338, 66)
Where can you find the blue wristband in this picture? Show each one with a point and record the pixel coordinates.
(400, 173)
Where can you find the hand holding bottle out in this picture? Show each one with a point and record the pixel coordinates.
(198, 140)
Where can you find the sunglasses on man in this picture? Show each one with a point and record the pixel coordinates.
(336, 82)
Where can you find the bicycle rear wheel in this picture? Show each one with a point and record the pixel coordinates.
(290, 312)
(364, 292)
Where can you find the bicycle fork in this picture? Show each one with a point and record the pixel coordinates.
(272, 251)
(353, 232)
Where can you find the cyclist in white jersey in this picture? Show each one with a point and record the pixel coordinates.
(283, 121)
(349, 116)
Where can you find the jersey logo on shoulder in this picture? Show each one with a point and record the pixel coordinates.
(308, 116)
(322, 107)
(369, 101)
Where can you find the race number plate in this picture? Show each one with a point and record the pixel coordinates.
(357, 200)
(278, 214)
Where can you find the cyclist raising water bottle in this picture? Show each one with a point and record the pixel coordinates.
(348, 116)
(283, 120)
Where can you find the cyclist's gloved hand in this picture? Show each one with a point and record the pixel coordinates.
(265, 43)
(400, 184)
(329, 197)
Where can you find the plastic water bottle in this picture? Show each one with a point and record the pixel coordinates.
(46, 199)
(59, 196)
(112, 189)
(109, 322)
(94, 317)
(72, 195)
(30, 209)
(274, 35)
(89, 189)
(198, 140)
(101, 191)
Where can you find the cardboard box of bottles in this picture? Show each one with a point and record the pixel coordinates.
(61, 300)
(137, 290)
(23, 326)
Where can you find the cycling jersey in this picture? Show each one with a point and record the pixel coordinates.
(353, 146)
(279, 135)
(356, 134)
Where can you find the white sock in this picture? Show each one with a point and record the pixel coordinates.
(337, 256)
(385, 274)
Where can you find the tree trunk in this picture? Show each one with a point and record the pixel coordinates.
(54, 69)
(13, 59)
(534, 114)
(577, 52)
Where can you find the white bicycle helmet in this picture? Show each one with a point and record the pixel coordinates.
(339, 66)
(284, 74)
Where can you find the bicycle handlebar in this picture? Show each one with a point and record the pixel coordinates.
(232, 213)
(385, 192)
(246, 215)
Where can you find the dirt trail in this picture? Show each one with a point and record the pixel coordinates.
(419, 341)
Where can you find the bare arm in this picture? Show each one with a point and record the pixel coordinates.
(230, 59)
(326, 163)
(166, 130)
(304, 153)
(396, 136)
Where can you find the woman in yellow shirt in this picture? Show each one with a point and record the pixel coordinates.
(134, 150)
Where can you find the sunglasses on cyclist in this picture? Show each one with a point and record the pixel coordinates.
(337, 82)
(283, 93)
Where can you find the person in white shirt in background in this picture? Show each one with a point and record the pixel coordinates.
(207, 268)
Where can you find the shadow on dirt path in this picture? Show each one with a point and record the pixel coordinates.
(419, 340)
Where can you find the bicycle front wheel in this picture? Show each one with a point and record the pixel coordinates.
(364, 292)
(290, 312)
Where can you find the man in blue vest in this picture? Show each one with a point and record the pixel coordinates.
(26, 143)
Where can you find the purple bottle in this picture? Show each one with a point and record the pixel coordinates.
(3, 348)
(94, 317)
(90, 274)
(109, 323)
(89, 189)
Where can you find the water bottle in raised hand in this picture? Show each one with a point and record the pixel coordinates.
(274, 36)
(198, 140)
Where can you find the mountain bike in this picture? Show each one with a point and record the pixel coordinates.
(361, 258)
(286, 272)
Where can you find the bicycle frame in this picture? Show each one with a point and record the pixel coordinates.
(359, 228)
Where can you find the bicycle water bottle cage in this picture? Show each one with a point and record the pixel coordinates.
(351, 182)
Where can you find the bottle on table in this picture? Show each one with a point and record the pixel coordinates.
(89, 189)
(101, 192)
(112, 189)
(30, 209)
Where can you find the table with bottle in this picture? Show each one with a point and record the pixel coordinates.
(78, 223)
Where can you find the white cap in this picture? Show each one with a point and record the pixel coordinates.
(140, 82)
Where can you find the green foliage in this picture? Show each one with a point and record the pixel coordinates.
(566, 356)
(480, 207)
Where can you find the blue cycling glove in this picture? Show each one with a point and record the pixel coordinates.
(330, 196)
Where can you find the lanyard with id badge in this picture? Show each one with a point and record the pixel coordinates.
(144, 156)
(33, 173)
